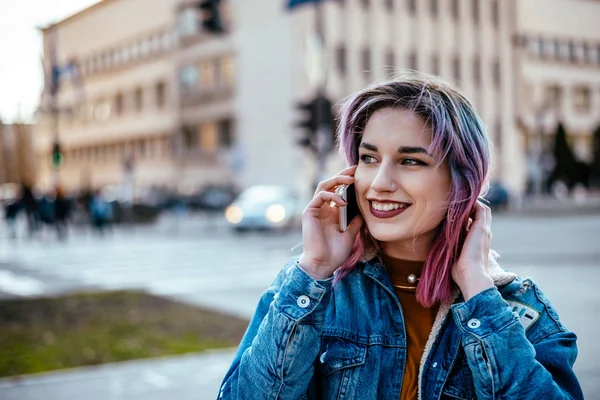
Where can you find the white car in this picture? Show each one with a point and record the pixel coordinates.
(263, 207)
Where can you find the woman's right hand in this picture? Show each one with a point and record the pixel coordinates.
(325, 247)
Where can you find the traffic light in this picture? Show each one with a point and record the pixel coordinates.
(211, 16)
(317, 114)
(308, 123)
(57, 156)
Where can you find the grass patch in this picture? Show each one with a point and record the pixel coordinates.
(81, 329)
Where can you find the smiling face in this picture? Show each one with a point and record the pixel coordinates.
(400, 192)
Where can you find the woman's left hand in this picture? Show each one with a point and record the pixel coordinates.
(470, 271)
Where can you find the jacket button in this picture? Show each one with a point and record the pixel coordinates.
(303, 301)
(474, 323)
(322, 358)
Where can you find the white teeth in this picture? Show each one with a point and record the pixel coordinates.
(387, 206)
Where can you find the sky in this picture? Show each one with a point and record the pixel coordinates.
(21, 78)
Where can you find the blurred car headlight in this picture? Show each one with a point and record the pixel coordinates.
(275, 213)
(234, 214)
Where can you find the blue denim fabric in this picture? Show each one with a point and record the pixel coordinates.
(309, 340)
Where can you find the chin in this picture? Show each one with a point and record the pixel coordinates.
(388, 233)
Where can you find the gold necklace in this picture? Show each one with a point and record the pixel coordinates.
(412, 278)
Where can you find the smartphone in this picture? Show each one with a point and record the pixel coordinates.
(350, 210)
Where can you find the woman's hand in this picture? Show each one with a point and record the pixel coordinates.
(469, 272)
(325, 247)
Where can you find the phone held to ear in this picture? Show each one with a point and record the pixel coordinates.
(350, 210)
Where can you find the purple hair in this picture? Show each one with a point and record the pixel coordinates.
(458, 136)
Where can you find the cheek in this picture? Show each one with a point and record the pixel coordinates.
(361, 182)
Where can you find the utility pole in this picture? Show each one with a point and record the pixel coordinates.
(323, 135)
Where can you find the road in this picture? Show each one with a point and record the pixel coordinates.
(214, 267)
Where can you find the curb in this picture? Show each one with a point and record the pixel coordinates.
(104, 370)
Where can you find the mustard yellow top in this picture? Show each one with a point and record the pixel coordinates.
(417, 319)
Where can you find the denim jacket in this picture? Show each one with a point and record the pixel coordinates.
(309, 340)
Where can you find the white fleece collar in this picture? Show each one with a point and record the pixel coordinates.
(499, 276)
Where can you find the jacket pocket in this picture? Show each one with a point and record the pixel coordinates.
(339, 367)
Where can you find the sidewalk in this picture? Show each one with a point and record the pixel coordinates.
(192, 376)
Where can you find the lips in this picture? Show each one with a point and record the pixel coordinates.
(388, 213)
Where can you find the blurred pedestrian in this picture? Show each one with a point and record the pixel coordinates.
(30, 204)
(408, 302)
(100, 212)
(62, 211)
(11, 212)
(46, 209)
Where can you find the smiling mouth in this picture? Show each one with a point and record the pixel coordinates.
(387, 210)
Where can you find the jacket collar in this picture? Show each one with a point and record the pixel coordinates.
(374, 268)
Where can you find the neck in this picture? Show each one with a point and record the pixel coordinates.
(409, 250)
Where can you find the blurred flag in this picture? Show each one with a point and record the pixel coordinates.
(295, 3)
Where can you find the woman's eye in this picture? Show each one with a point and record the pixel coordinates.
(367, 159)
(411, 162)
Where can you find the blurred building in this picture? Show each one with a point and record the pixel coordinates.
(17, 157)
(130, 104)
(558, 48)
(159, 100)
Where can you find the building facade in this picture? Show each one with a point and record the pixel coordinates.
(18, 164)
(160, 100)
(558, 49)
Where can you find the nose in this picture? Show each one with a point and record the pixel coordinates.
(384, 180)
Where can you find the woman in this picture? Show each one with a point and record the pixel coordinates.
(409, 301)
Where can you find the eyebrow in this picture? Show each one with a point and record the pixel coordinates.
(401, 149)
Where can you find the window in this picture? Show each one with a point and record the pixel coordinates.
(134, 50)
(477, 70)
(434, 8)
(556, 50)
(412, 60)
(390, 59)
(456, 68)
(106, 60)
(340, 59)
(586, 53)
(498, 135)
(366, 61)
(496, 73)
(101, 110)
(144, 47)
(160, 90)
(582, 99)
(475, 9)
(190, 137)
(435, 64)
(537, 47)
(572, 52)
(412, 6)
(117, 58)
(187, 22)
(165, 40)
(125, 54)
(208, 137)
(207, 74)
(226, 133)
(455, 9)
(228, 71)
(141, 147)
(553, 96)
(495, 13)
(138, 99)
(155, 43)
(119, 104)
(188, 76)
